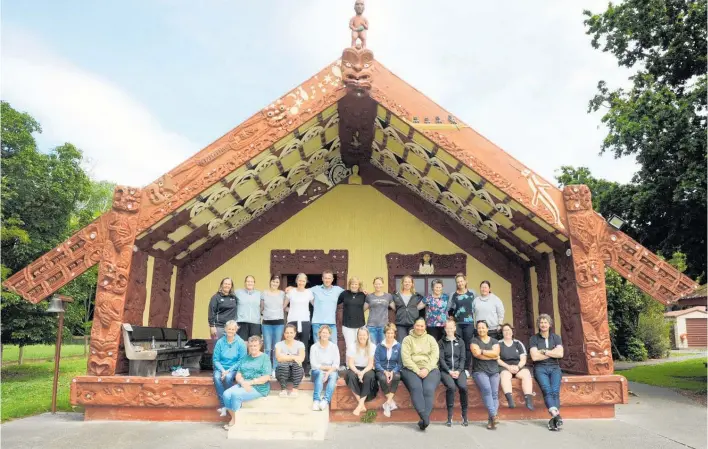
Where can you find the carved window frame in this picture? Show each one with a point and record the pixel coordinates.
(402, 264)
(284, 261)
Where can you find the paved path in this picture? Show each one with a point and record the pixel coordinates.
(619, 365)
(655, 419)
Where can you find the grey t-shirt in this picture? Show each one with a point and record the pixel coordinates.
(406, 299)
(285, 350)
(378, 309)
(273, 305)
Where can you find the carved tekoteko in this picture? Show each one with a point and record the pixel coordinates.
(113, 272)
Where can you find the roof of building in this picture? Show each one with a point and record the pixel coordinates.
(677, 313)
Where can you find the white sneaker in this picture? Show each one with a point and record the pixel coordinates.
(316, 406)
(467, 373)
(222, 411)
(283, 393)
(293, 394)
(387, 410)
(324, 405)
(393, 406)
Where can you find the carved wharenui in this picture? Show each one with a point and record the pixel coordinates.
(113, 279)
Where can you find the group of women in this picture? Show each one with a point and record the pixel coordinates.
(434, 339)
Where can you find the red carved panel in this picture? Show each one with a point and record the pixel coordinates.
(183, 315)
(571, 331)
(137, 292)
(520, 306)
(59, 266)
(356, 128)
(403, 264)
(113, 271)
(545, 286)
(160, 293)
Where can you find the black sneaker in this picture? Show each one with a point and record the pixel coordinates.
(421, 425)
(559, 422)
(552, 424)
(449, 422)
(464, 421)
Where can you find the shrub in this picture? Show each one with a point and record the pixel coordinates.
(654, 331)
(635, 350)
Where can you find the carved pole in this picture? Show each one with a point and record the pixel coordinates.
(584, 232)
(113, 272)
(545, 287)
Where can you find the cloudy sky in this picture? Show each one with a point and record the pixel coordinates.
(139, 85)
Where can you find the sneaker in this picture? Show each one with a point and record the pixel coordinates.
(316, 406)
(387, 410)
(467, 373)
(272, 375)
(393, 406)
(559, 421)
(222, 411)
(283, 393)
(552, 424)
(324, 405)
(293, 394)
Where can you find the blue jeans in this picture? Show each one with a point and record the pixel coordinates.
(235, 396)
(489, 388)
(376, 334)
(318, 381)
(272, 334)
(332, 334)
(549, 379)
(222, 385)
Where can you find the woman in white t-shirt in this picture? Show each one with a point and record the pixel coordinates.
(290, 354)
(297, 303)
(361, 378)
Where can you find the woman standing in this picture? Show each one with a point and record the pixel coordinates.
(437, 305)
(222, 308)
(290, 354)
(324, 357)
(408, 305)
(387, 361)
(249, 309)
(512, 360)
(298, 301)
(546, 352)
(229, 350)
(252, 379)
(360, 375)
(462, 309)
(452, 370)
(272, 305)
(378, 303)
(420, 374)
(485, 371)
(353, 300)
(489, 308)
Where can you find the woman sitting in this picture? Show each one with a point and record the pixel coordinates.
(512, 360)
(290, 354)
(252, 379)
(324, 360)
(546, 351)
(485, 371)
(360, 375)
(452, 370)
(420, 374)
(229, 350)
(387, 361)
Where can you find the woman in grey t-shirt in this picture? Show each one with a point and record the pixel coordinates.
(378, 304)
(272, 301)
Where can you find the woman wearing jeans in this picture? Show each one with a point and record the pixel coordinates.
(485, 371)
(324, 358)
(546, 350)
(272, 302)
(378, 304)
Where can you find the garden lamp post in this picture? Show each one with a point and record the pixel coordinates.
(56, 305)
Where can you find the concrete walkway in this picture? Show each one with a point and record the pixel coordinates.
(620, 366)
(656, 418)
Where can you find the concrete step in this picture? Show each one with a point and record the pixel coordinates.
(276, 418)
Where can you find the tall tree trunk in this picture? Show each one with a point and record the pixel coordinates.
(21, 357)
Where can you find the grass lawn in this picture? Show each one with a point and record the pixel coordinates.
(27, 389)
(10, 353)
(687, 375)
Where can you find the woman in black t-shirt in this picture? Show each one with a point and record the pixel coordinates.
(485, 370)
(512, 360)
(352, 311)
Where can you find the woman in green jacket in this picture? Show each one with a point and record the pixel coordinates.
(420, 374)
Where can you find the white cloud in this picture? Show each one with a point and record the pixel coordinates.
(123, 141)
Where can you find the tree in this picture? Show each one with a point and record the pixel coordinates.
(661, 119)
(41, 195)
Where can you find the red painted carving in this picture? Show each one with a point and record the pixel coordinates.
(160, 293)
(521, 306)
(357, 69)
(113, 270)
(545, 287)
(571, 330)
(59, 266)
(403, 264)
(584, 231)
(137, 292)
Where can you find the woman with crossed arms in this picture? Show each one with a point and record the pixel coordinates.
(485, 371)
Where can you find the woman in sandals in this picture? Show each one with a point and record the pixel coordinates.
(290, 354)
(252, 379)
(360, 377)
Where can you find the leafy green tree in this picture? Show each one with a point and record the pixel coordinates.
(660, 119)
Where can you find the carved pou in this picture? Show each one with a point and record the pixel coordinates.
(357, 69)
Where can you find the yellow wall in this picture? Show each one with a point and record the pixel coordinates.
(148, 289)
(352, 217)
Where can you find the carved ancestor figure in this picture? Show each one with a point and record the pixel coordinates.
(357, 68)
(359, 25)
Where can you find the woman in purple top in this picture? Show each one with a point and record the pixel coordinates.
(437, 305)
